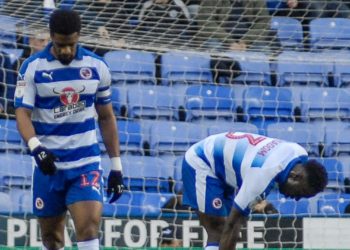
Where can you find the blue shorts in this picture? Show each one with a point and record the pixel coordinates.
(52, 194)
(202, 190)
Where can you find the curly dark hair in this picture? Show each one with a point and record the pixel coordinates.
(64, 22)
(317, 175)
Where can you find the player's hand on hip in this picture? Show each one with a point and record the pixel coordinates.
(45, 160)
(115, 185)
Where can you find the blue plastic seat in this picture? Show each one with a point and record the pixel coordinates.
(306, 134)
(330, 33)
(8, 31)
(333, 204)
(119, 99)
(174, 137)
(337, 139)
(131, 66)
(209, 102)
(185, 68)
(137, 204)
(325, 104)
(152, 102)
(287, 206)
(22, 200)
(289, 32)
(130, 137)
(223, 127)
(16, 170)
(303, 69)
(255, 68)
(6, 203)
(10, 139)
(268, 103)
(341, 69)
(143, 173)
(335, 172)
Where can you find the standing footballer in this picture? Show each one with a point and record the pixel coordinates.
(58, 93)
(218, 165)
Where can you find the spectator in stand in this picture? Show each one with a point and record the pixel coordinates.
(164, 20)
(235, 25)
(307, 10)
(171, 237)
(37, 42)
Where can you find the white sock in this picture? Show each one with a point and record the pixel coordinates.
(89, 245)
(212, 246)
(44, 248)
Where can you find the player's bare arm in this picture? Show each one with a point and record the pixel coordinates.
(24, 123)
(232, 227)
(108, 126)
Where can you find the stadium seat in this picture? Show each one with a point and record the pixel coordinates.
(174, 137)
(146, 173)
(130, 137)
(10, 139)
(6, 203)
(185, 68)
(341, 69)
(325, 104)
(337, 139)
(8, 32)
(131, 66)
(143, 173)
(263, 105)
(287, 206)
(255, 68)
(333, 204)
(289, 32)
(222, 127)
(119, 100)
(15, 170)
(303, 69)
(152, 102)
(209, 102)
(335, 172)
(307, 135)
(21, 200)
(330, 33)
(137, 204)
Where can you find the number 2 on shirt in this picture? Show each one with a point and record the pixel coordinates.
(252, 141)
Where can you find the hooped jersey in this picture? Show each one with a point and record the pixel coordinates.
(250, 163)
(62, 99)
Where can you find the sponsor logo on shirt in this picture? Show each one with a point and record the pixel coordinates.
(69, 97)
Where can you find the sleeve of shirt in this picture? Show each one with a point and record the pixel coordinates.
(25, 87)
(257, 181)
(103, 95)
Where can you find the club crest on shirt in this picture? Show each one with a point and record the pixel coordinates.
(39, 203)
(217, 203)
(70, 98)
(86, 73)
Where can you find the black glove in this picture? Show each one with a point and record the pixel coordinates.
(45, 160)
(115, 185)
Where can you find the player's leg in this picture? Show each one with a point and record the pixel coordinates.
(214, 226)
(52, 232)
(49, 206)
(86, 216)
(84, 199)
(204, 192)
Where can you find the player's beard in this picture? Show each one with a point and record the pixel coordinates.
(65, 60)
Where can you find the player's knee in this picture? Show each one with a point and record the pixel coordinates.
(87, 233)
(53, 240)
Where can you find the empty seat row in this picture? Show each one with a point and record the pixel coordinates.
(212, 101)
(326, 204)
(329, 68)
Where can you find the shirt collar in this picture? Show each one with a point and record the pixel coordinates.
(50, 57)
(283, 176)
